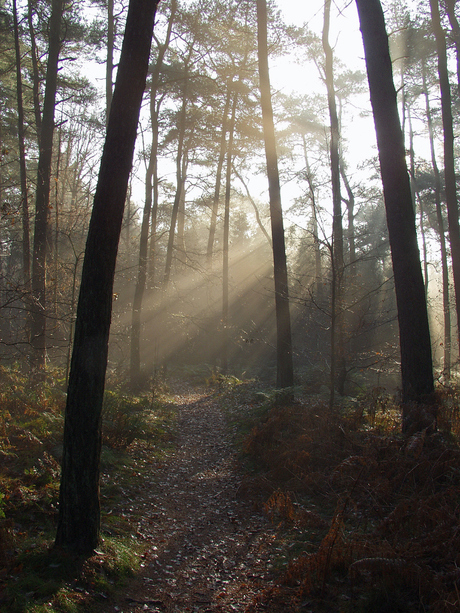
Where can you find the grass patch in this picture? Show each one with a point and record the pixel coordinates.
(49, 580)
(34, 578)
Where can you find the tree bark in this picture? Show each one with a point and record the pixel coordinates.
(350, 202)
(450, 9)
(135, 365)
(181, 258)
(285, 370)
(38, 322)
(220, 164)
(442, 239)
(109, 62)
(225, 282)
(449, 157)
(338, 368)
(36, 78)
(414, 334)
(180, 180)
(22, 158)
(416, 198)
(254, 206)
(79, 506)
(314, 213)
(151, 267)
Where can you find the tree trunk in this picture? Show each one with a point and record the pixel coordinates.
(127, 225)
(225, 288)
(254, 206)
(79, 506)
(180, 179)
(54, 242)
(450, 8)
(151, 187)
(415, 199)
(181, 248)
(351, 317)
(38, 323)
(314, 213)
(338, 367)
(414, 334)
(351, 222)
(154, 191)
(285, 370)
(441, 232)
(109, 62)
(449, 158)
(22, 159)
(36, 77)
(135, 364)
(149, 215)
(220, 164)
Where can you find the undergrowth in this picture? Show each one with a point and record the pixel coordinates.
(34, 578)
(368, 520)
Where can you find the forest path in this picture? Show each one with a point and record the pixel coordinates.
(209, 549)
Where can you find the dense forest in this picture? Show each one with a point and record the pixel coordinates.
(228, 191)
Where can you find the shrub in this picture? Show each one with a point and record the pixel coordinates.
(125, 418)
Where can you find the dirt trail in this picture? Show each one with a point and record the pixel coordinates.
(209, 548)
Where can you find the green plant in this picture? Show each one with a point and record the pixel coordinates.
(36, 578)
(125, 418)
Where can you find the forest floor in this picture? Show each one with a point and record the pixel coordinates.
(227, 497)
(209, 548)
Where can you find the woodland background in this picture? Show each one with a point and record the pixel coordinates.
(364, 512)
(202, 66)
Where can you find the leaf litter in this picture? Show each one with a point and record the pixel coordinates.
(210, 549)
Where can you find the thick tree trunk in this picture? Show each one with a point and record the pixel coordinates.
(449, 157)
(285, 371)
(414, 334)
(79, 508)
(38, 323)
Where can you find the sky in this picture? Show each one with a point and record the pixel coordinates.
(345, 35)
(288, 75)
(345, 38)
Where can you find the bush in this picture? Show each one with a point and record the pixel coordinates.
(125, 419)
